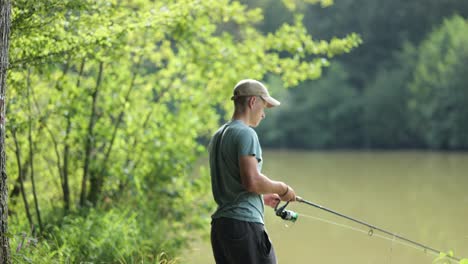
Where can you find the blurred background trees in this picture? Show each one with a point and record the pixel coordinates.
(402, 88)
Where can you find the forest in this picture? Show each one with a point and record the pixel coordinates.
(110, 105)
(404, 87)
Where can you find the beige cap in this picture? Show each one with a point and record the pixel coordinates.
(251, 87)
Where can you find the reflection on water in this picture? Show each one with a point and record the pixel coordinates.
(419, 195)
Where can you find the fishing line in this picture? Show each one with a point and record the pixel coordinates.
(391, 250)
(392, 239)
(292, 216)
(373, 227)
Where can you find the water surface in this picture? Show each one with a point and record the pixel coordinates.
(419, 195)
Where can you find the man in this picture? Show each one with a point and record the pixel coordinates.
(239, 188)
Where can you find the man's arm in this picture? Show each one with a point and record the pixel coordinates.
(256, 182)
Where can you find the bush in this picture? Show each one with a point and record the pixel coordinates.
(112, 236)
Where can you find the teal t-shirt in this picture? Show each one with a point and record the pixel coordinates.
(233, 200)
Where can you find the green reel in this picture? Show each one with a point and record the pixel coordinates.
(286, 214)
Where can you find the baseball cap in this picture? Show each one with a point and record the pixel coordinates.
(249, 87)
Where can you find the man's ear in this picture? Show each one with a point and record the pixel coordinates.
(252, 101)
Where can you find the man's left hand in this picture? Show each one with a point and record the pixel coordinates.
(271, 199)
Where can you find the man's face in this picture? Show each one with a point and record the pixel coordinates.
(258, 111)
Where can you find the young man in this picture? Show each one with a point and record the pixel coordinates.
(239, 188)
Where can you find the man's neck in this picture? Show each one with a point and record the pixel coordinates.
(241, 117)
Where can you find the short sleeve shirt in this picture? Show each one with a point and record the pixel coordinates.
(225, 149)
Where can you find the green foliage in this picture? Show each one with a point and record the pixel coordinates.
(439, 92)
(384, 27)
(292, 4)
(122, 94)
(386, 114)
(447, 258)
(97, 236)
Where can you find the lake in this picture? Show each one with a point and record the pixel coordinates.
(422, 196)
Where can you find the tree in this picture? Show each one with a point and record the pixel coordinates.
(384, 26)
(122, 94)
(439, 94)
(5, 10)
(386, 118)
(317, 114)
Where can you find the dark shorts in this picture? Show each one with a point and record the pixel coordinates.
(240, 242)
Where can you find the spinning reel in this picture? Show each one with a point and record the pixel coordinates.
(285, 214)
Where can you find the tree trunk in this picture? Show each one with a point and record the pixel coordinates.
(66, 152)
(31, 156)
(66, 149)
(62, 171)
(97, 180)
(90, 137)
(21, 173)
(5, 9)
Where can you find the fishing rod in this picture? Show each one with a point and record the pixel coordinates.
(293, 216)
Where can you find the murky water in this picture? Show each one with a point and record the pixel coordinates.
(420, 195)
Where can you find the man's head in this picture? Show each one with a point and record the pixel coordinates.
(250, 98)
(251, 87)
